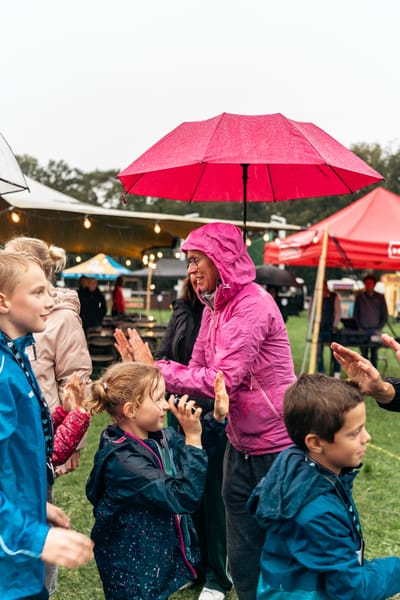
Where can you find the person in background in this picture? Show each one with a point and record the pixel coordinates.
(31, 529)
(82, 287)
(330, 320)
(177, 344)
(274, 291)
(314, 546)
(93, 306)
(145, 482)
(59, 351)
(118, 308)
(242, 333)
(371, 314)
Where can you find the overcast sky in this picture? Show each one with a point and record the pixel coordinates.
(97, 82)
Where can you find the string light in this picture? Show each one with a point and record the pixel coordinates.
(159, 254)
(157, 228)
(87, 223)
(128, 262)
(15, 216)
(78, 259)
(315, 238)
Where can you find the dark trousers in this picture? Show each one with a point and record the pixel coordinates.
(210, 525)
(245, 538)
(326, 337)
(43, 595)
(373, 356)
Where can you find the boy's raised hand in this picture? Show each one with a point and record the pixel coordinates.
(221, 403)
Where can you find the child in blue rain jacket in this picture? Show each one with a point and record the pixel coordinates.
(313, 547)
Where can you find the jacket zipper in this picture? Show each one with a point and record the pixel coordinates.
(176, 517)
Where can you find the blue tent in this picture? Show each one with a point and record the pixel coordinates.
(100, 266)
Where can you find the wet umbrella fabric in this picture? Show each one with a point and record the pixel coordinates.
(232, 158)
(11, 177)
(271, 275)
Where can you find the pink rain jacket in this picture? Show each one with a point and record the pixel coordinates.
(244, 337)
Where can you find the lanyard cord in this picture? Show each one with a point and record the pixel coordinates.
(45, 417)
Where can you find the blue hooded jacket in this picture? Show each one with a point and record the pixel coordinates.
(313, 543)
(23, 482)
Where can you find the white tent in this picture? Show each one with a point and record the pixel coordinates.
(57, 218)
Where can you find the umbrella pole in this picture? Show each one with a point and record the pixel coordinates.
(245, 177)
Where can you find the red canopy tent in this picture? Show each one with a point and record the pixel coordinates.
(364, 235)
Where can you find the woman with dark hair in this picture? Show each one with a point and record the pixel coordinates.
(183, 326)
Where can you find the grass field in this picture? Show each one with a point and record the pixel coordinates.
(376, 489)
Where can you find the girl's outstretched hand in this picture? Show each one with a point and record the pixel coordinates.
(188, 415)
(221, 403)
(74, 393)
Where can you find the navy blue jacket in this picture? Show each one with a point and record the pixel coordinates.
(312, 548)
(142, 497)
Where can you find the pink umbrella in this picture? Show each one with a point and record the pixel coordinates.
(264, 158)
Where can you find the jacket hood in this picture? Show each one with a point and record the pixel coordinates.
(292, 482)
(65, 298)
(223, 244)
(109, 438)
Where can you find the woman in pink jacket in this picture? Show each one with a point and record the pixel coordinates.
(243, 335)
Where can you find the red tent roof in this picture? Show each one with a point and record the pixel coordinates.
(365, 234)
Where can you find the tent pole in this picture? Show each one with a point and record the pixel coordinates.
(318, 304)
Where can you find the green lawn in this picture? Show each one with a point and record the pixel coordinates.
(376, 488)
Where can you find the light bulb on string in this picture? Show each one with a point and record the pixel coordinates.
(87, 223)
(15, 216)
(157, 228)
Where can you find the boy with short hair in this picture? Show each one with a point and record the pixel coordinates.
(313, 547)
(26, 441)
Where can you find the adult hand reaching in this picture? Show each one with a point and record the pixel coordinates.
(140, 350)
(132, 348)
(122, 345)
(361, 371)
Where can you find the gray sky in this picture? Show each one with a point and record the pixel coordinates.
(96, 82)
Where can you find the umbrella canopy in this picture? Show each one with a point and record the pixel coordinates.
(364, 235)
(262, 158)
(11, 177)
(100, 266)
(271, 275)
